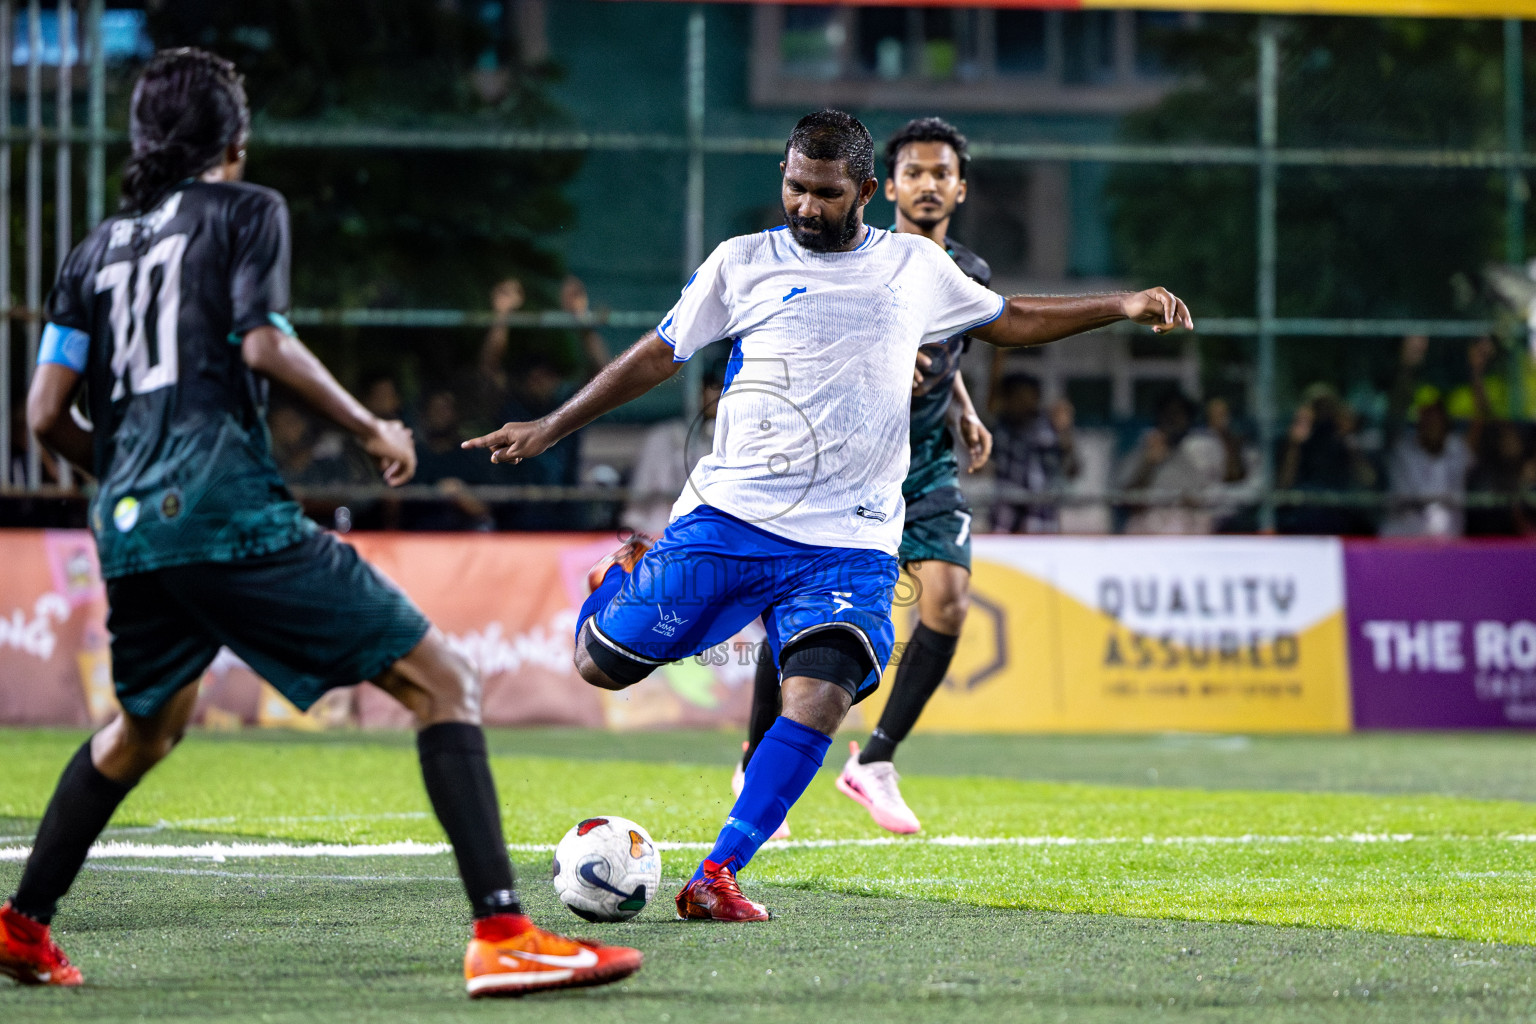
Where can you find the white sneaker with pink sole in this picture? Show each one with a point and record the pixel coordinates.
(875, 786)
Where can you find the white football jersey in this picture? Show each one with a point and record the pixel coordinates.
(811, 438)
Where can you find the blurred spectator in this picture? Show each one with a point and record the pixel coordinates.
(304, 456)
(1502, 464)
(484, 390)
(381, 396)
(1174, 464)
(1428, 468)
(484, 395)
(1505, 466)
(1321, 454)
(440, 462)
(1218, 449)
(1033, 452)
(573, 299)
(668, 454)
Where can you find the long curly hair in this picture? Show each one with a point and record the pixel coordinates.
(188, 107)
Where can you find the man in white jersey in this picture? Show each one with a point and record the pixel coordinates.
(796, 515)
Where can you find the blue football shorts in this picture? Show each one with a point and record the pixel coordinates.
(711, 574)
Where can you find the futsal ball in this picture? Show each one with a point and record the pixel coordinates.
(607, 869)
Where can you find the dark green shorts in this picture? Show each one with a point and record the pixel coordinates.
(308, 618)
(938, 529)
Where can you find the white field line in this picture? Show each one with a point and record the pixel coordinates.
(281, 819)
(219, 852)
(269, 876)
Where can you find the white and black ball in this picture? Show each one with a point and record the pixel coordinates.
(607, 869)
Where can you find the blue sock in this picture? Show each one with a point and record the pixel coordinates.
(785, 763)
(596, 601)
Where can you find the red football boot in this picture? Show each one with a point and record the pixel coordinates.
(626, 557)
(29, 955)
(717, 897)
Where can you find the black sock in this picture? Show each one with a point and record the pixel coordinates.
(766, 701)
(81, 806)
(923, 666)
(459, 784)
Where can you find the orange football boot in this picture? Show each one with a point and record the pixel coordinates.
(626, 557)
(510, 956)
(717, 897)
(29, 955)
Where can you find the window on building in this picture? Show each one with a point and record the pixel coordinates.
(811, 42)
(1099, 61)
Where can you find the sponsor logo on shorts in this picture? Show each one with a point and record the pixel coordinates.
(669, 623)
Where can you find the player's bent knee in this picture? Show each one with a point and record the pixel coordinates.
(126, 748)
(823, 675)
(815, 703)
(436, 683)
(602, 666)
(949, 617)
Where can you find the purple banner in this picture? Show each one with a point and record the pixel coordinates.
(1442, 636)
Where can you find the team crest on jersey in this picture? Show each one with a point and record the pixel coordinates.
(170, 505)
(669, 623)
(125, 514)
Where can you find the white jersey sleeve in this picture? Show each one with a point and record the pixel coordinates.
(703, 314)
(958, 303)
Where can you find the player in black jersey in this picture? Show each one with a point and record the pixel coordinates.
(171, 316)
(926, 163)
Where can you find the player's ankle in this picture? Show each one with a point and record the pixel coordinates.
(29, 927)
(879, 749)
(501, 927)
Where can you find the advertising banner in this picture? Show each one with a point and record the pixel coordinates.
(508, 603)
(1133, 634)
(1442, 636)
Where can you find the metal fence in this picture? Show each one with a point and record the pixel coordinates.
(39, 133)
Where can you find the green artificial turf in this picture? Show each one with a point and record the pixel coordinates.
(1181, 900)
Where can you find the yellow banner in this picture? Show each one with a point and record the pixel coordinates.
(1146, 635)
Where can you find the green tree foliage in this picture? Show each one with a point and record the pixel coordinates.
(1351, 242)
(395, 228)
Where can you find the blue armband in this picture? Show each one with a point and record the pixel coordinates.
(277, 320)
(283, 324)
(66, 346)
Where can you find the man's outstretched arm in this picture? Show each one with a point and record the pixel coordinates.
(645, 364)
(1039, 319)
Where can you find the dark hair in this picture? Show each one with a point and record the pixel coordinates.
(927, 129)
(188, 107)
(1015, 381)
(834, 135)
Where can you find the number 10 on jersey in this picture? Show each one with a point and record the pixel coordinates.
(146, 304)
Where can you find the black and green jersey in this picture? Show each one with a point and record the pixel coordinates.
(933, 453)
(182, 455)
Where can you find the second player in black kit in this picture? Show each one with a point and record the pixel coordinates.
(171, 316)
